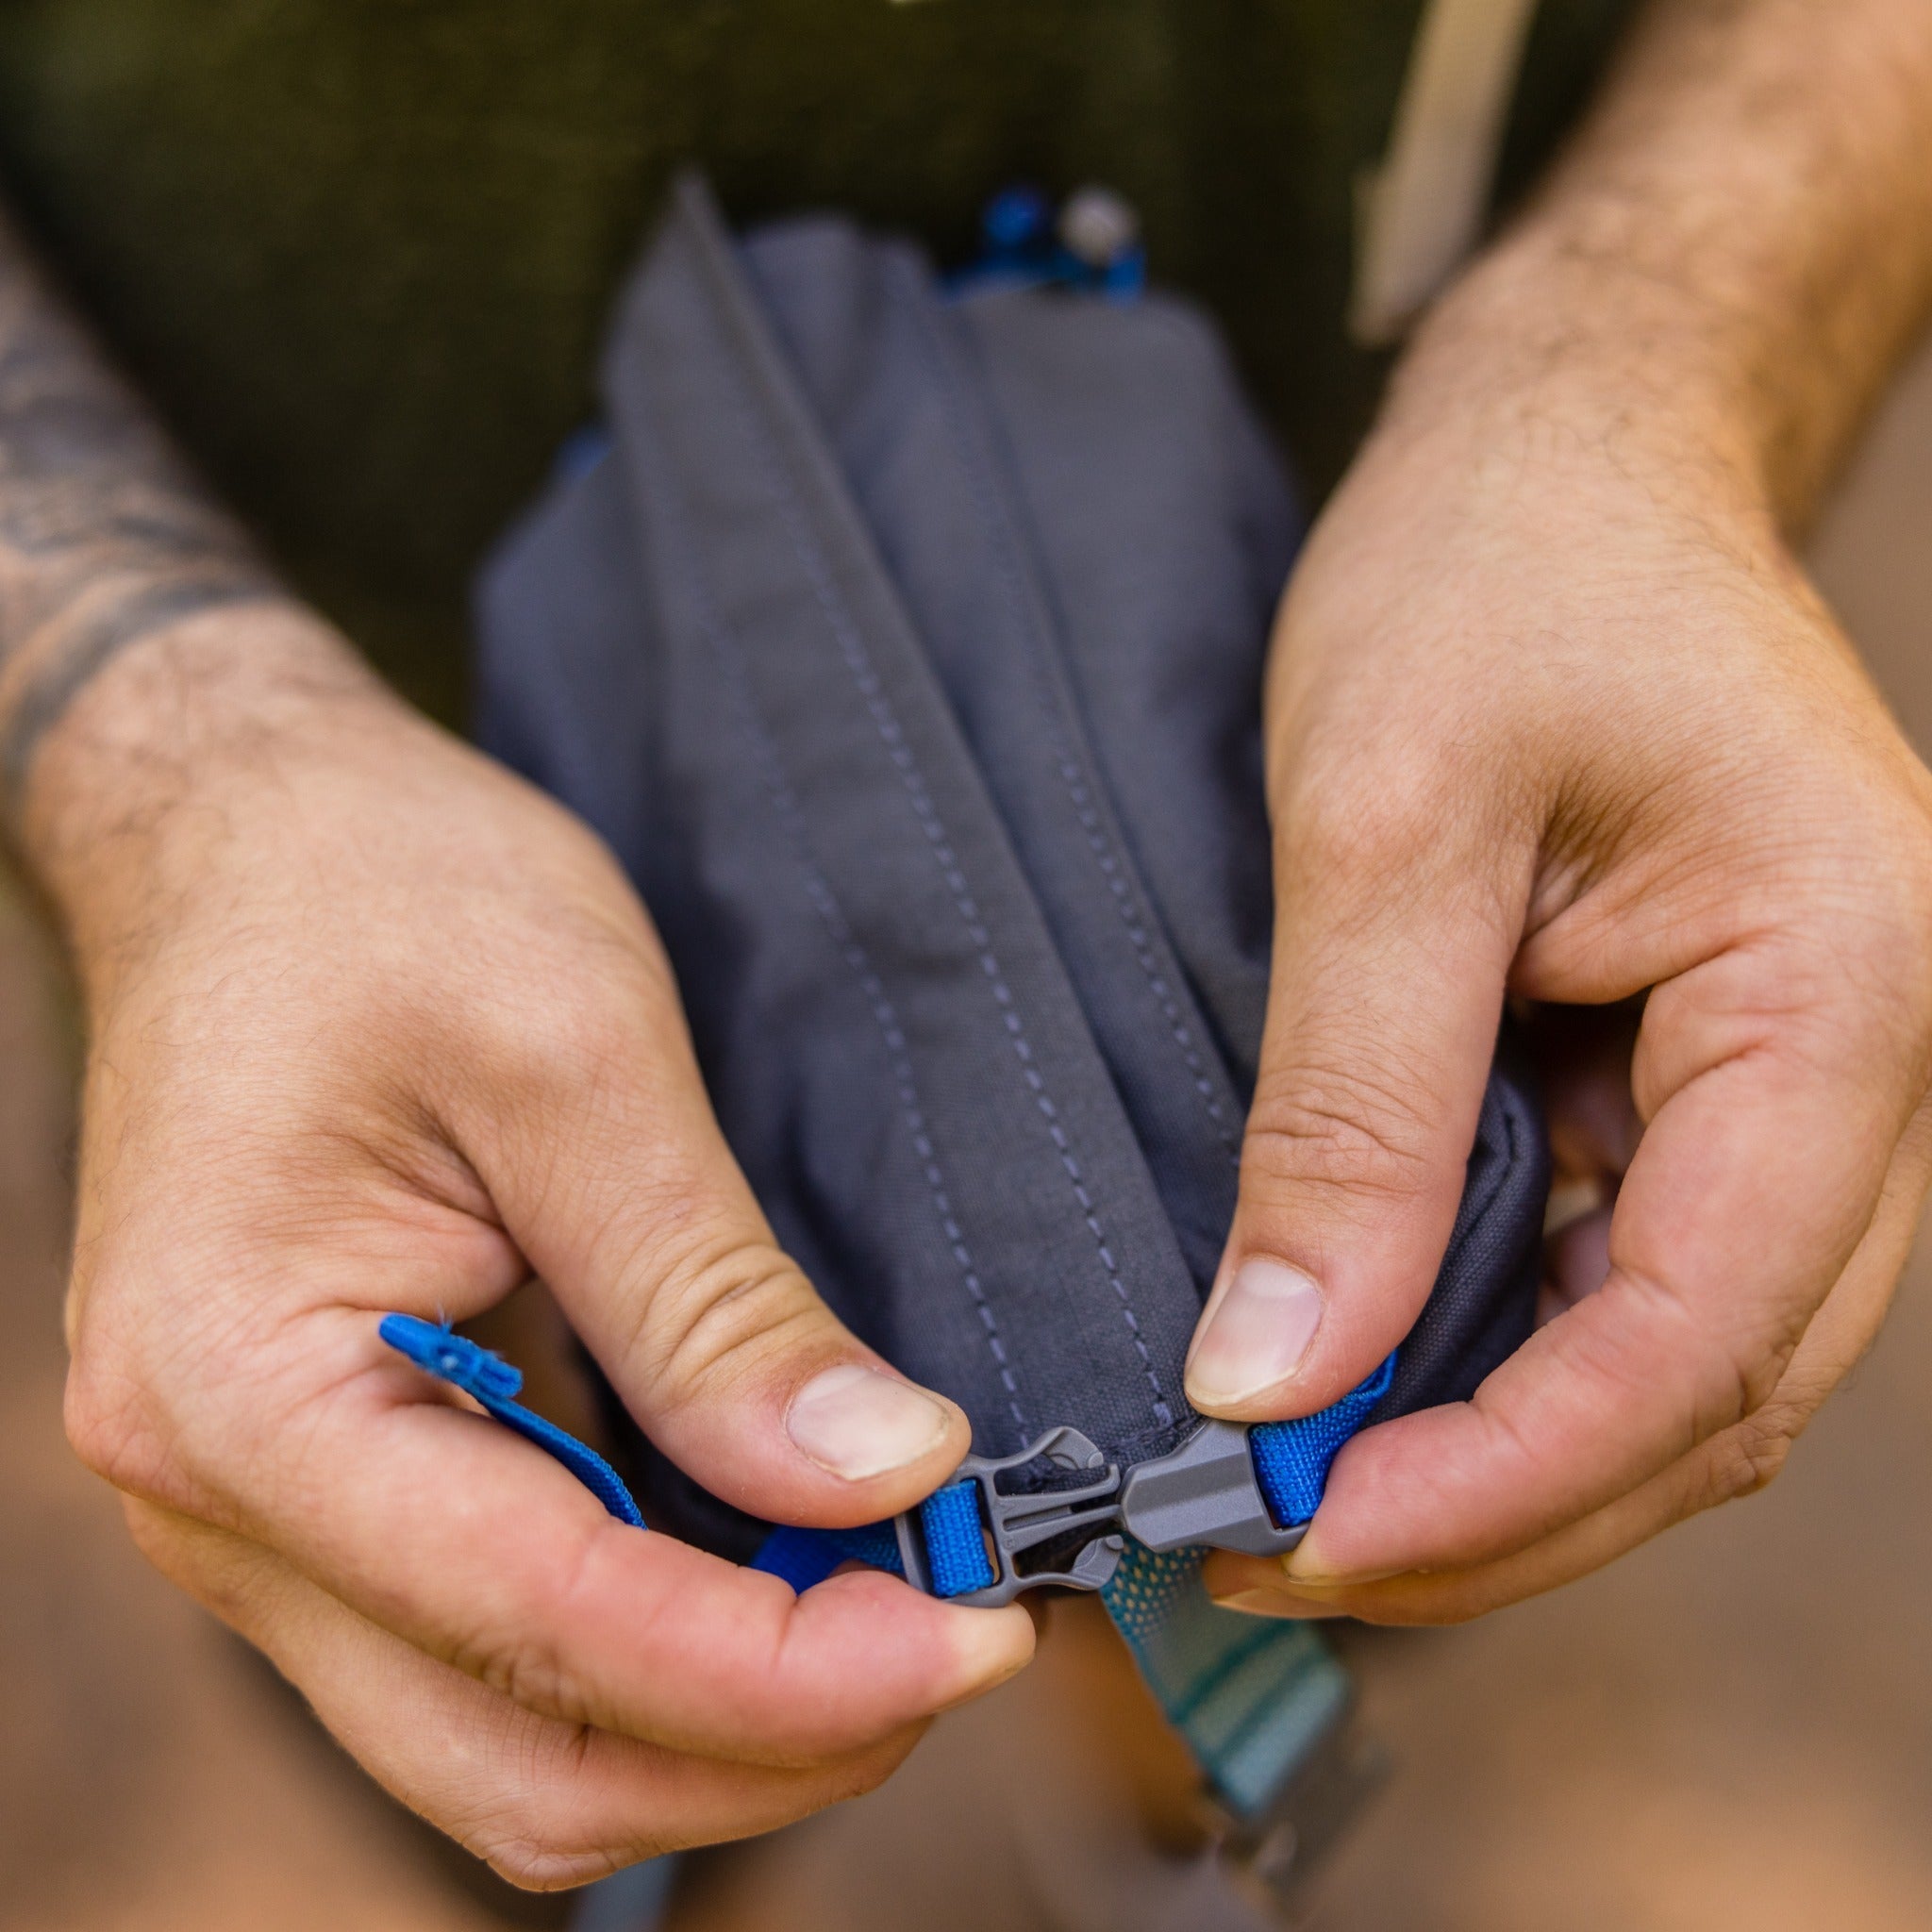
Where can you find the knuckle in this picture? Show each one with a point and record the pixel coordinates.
(719, 1317)
(860, 1775)
(535, 1826)
(112, 1425)
(528, 1671)
(568, 1039)
(531, 1674)
(1744, 1460)
(1730, 1381)
(1351, 1132)
(519, 1851)
(1347, 819)
(528, 1662)
(522, 1805)
(530, 1863)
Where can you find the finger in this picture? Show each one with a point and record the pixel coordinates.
(546, 1802)
(1582, 1056)
(1397, 922)
(604, 1157)
(458, 1536)
(1576, 1262)
(1394, 1486)
(1737, 1462)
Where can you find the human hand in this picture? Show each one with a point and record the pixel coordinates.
(375, 1025)
(1553, 712)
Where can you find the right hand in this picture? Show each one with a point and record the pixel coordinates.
(375, 1025)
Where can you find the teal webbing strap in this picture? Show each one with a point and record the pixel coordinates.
(1254, 1697)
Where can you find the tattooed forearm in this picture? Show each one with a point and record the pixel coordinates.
(105, 537)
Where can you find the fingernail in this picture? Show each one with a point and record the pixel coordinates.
(1274, 1602)
(990, 1648)
(857, 1423)
(1257, 1337)
(1305, 1571)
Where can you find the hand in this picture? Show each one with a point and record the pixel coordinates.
(375, 1025)
(1554, 714)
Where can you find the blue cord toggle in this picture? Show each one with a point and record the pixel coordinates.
(438, 1349)
(1021, 249)
(1292, 1459)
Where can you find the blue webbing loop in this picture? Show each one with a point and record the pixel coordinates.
(434, 1346)
(1292, 1463)
(1292, 1459)
(1251, 1695)
(948, 1519)
(955, 1549)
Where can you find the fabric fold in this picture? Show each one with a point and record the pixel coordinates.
(907, 652)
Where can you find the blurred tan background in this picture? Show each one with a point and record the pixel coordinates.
(1730, 1732)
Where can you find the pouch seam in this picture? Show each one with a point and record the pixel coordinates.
(858, 666)
(728, 652)
(1010, 579)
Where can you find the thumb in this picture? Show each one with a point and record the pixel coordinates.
(616, 1183)
(1393, 932)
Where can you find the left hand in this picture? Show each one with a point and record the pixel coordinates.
(1553, 712)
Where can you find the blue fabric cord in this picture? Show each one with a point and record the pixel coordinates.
(436, 1348)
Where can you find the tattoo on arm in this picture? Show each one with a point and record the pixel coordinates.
(105, 537)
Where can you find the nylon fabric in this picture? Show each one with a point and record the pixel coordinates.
(907, 652)
(948, 1520)
(805, 1558)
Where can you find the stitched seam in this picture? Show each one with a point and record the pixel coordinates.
(730, 656)
(1008, 577)
(871, 689)
(887, 1018)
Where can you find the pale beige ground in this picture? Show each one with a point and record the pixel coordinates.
(1730, 1732)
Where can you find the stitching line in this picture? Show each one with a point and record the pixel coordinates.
(730, 656)
(975, 465)
(866, 678)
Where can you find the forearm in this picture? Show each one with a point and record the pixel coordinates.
(138, 630)
(1732, 255)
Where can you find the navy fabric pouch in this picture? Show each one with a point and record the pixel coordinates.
(907, 650)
